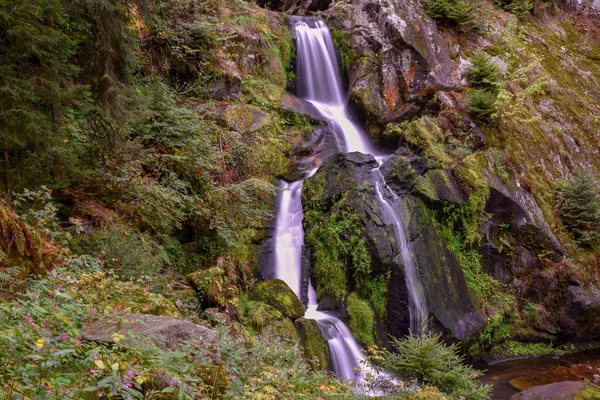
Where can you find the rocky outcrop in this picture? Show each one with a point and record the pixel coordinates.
(347, 181)
(316, 351)
(580, 313)
(400, 59)
(277, 294)
(165, 332)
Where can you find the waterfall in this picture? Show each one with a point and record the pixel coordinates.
(319, 82)
(416, 298)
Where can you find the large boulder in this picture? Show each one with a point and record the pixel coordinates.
(580, 313)
(315, 349)
(399, 61)
(554, 391)
(165, 332)
(278, 295)
(349, 181)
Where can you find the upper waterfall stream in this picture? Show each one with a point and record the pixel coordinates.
(318, 81)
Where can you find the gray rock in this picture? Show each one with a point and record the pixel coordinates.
(401, 59)
(554, 391)
(165, 332)
(291, 103)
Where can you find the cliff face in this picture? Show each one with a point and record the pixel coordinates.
(480, 189)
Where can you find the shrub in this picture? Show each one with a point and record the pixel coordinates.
(462, 13)
(483, 74)
(517, 7)
(578, 203)
(481, 104)
(431, 362)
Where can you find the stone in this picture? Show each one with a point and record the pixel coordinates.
(262, 314)
(215, 315)
(284, 330)
(166, 332)
(580, 313)
(213, 286)
(277, 294)
(291, 103)
(244, 118)
(315, 348)
(400, 59)
(555, 391)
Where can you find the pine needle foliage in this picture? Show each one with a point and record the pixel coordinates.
(460, 13)
(578, 202)
(433, 363)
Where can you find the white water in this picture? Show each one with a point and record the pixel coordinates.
(319, 82)
(416, 298)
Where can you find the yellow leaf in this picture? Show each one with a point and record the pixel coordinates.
(99, 364)
(115, 366)
(140, 379)
(40, 343)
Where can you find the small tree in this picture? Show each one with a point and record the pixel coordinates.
(578, 202)
(433, 363)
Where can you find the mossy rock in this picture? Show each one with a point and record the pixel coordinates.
(278, 294)
(261, 314)
(316, 351)
(283, 329)
(362, 319)
(213, 286)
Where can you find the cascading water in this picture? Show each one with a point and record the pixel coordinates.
(416, 299)
(319, 83)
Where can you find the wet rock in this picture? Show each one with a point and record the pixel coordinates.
(349, 181)
(165, 332)
(294, 104)
(400, 58)
(315, 349)
(554, 391)
(278, 295)
(441, 275)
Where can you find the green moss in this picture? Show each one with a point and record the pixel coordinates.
(591, 392)
(340, 255)
(278, 295)
(314, 346)
(214, 287)
(362, 319)
(283, 329)
(426, 135)
(344, 49)
(378, 288)
(261, 314)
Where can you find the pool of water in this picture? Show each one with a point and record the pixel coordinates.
(511, 377)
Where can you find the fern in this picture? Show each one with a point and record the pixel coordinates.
(15, 235)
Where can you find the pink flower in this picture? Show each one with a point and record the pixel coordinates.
(64, 336)
(93, 372)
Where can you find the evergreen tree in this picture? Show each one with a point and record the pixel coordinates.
(578, 201)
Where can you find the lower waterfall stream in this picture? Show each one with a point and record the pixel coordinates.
(319, 83)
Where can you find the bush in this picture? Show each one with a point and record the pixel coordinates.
(461, 13)
(578, 203)
(481, 104)
(484, 74)
(517, 7)
(433, 363)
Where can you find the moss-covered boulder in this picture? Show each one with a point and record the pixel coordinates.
(362, 319)
(277, 294)
(261, 314)
(214, 287)
(316, 351)
(283, 329)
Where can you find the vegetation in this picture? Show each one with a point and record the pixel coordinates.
(431, 362)
(578, 203)
(461, 13)
(485, 80)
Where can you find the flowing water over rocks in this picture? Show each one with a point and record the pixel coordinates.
(319, 83)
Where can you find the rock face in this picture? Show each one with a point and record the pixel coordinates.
(278, 295)
(554, 391)
(165, 332)
(580, 313)
(400, 59)
(348, 181)
(316, 351)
